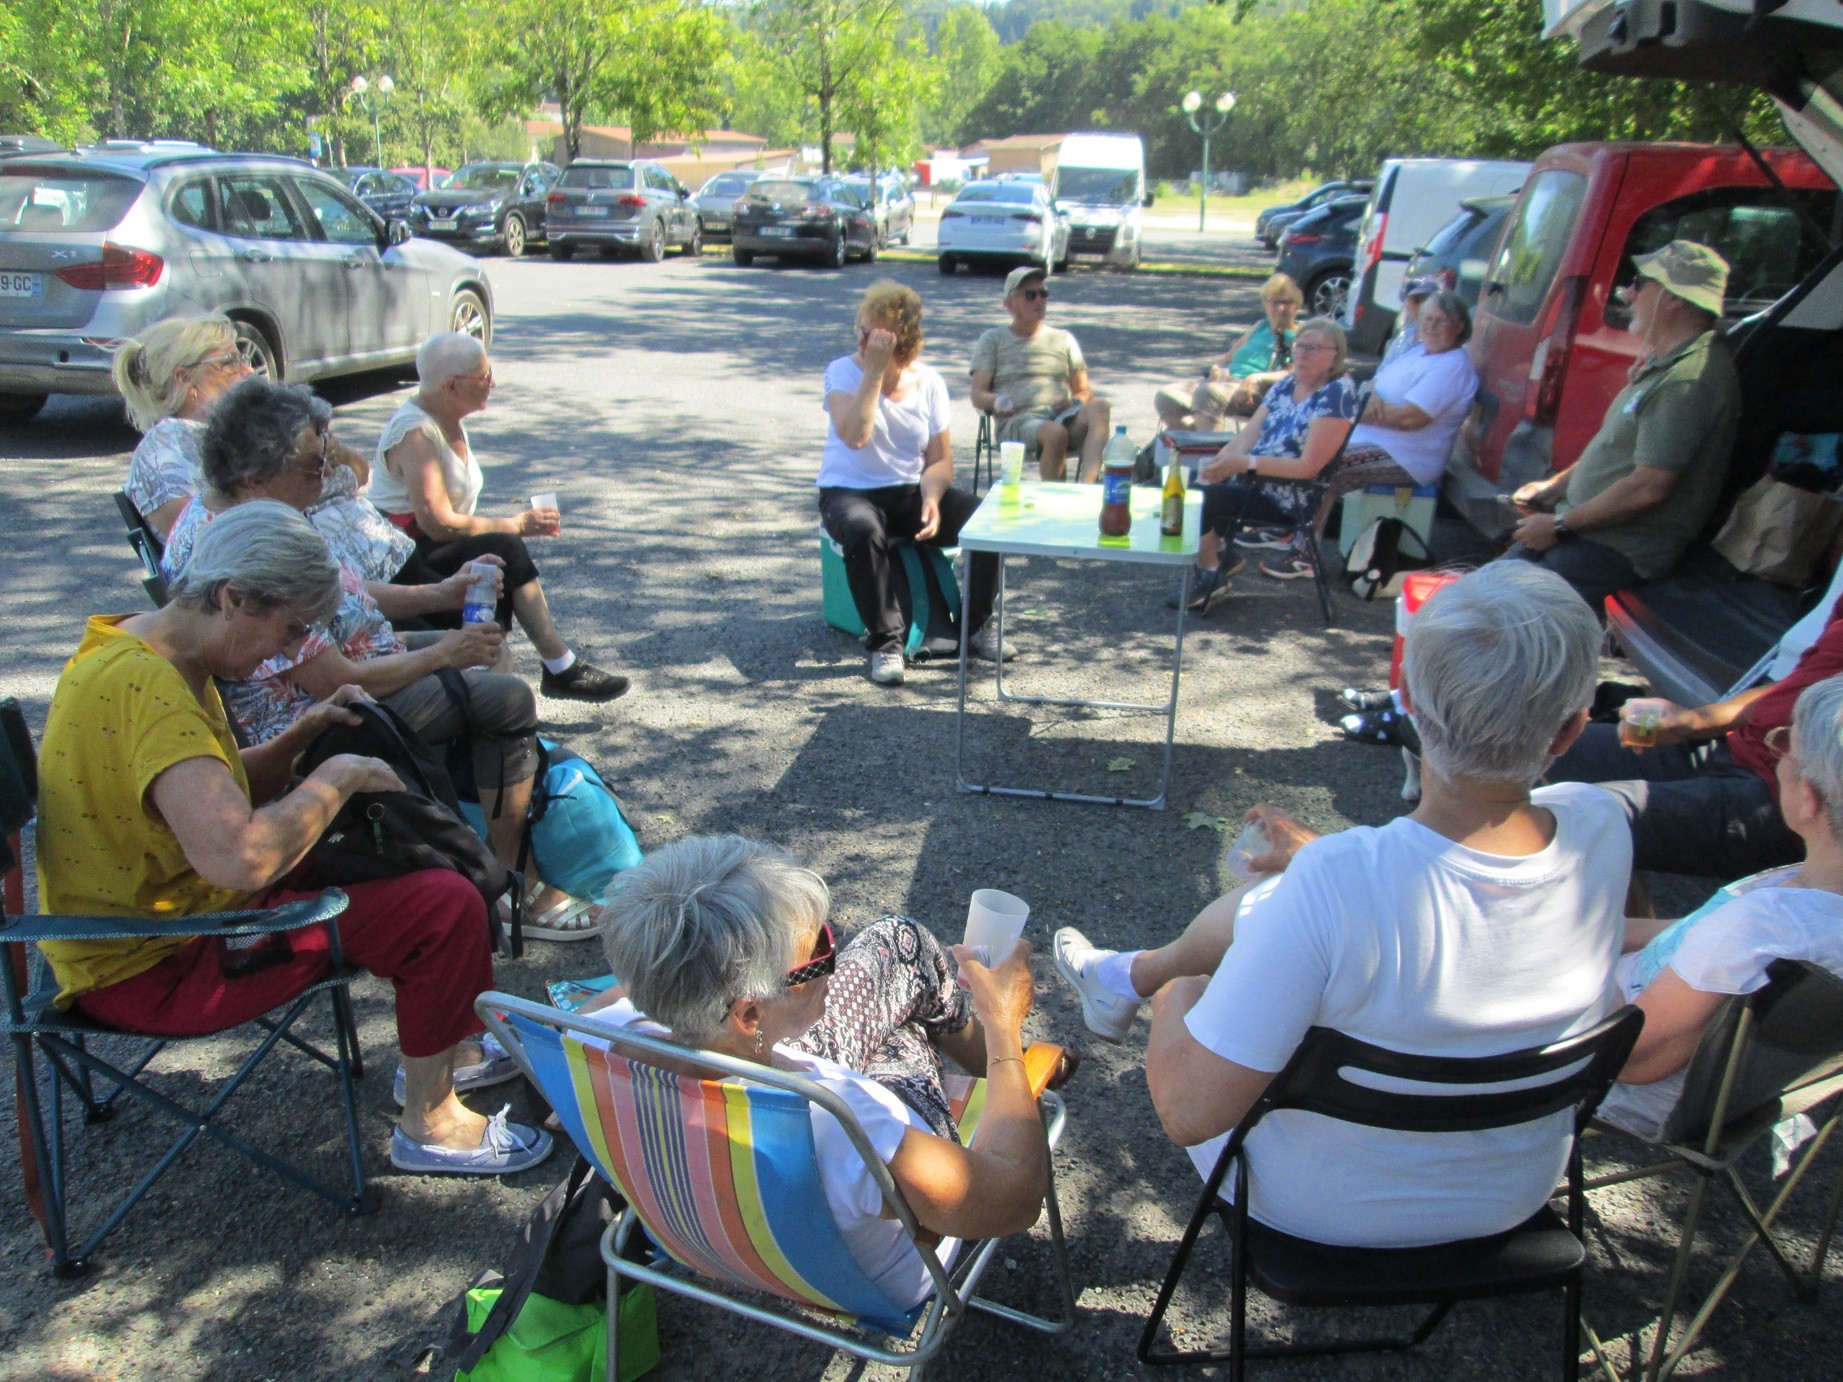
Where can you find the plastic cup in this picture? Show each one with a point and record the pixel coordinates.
(1248, 846)
(1001, 403)
(1011, 463)
(994, 921)
(544, 501)
(1639, 721)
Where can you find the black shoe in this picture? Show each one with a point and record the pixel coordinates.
(583, 681)
(1209, 585)
(1358, 699)
(1388, 726)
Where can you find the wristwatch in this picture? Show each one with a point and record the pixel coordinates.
(1562, 530)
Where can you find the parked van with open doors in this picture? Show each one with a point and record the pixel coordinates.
(1099, 184)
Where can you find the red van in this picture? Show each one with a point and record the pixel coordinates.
(1548, 339)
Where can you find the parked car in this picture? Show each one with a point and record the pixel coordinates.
(487, 206)
(1702, 630)
(1273, 220)
(823, 219)
(388, 194)
(28, 144)
(715, 201)
(893, 207)
(615, 205)
(1009, 222)
(1460, 251)
(1318, 251)
(100, 244)
(1412, 198)
(424, 178)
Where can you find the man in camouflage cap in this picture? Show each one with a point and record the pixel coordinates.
(1645, 486)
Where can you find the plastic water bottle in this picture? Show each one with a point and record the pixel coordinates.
(482, 605)
(1117, 485)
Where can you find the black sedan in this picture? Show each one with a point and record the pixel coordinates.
(487, 206)
(823, 219)
(388, 194)
(1317, 252)
(1275, 219)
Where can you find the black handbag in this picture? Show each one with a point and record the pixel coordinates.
(388, 834)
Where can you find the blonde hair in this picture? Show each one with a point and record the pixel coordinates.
(147, 371)
(896, 308)
(1281, 288)
(1332, 332)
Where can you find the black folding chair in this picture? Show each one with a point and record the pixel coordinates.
(1303, 532)
(147, 544)
(38, 1028)
(985, 452)
(1765, 1056)
(1541, 1254)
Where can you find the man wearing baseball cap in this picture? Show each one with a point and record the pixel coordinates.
(1648, 481)
(1033, 379)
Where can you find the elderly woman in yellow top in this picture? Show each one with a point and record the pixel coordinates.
(1234, 382)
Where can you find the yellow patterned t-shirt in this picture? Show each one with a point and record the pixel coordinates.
(121, 715)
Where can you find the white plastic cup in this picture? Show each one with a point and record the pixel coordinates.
(1248, 846)
(994, 921)
(1011, 463)
(1639, 720)
(544, 501)
(1001, 403)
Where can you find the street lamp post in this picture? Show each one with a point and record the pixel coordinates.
(1213, 120)
(373, 106)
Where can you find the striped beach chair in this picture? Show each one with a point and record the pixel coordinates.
(723, 1176)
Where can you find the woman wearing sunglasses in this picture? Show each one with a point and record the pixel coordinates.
(730, 950)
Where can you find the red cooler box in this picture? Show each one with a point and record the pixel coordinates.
(1417, 587)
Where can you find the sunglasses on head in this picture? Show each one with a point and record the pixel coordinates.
(823, 962)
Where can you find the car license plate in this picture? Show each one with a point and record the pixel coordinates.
(988, 220)
(591, 211)
(21, 285)
(778, 230)
(448, 224)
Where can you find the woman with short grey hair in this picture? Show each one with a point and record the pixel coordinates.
(148, 807)
(1487, 921)
(726, 946)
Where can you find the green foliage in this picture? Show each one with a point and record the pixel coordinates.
(966, 58)
(854, 64)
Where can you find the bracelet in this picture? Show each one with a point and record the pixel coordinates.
(1000, 1060)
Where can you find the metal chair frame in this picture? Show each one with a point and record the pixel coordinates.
(1315, 1080)
(985, 451)
(147, 545)
(1305, 531)
(954, 1292)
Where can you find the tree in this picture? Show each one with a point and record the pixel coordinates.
(967, 57)
(829, 45)
(887, 82)
(674, 76)
(430, 57)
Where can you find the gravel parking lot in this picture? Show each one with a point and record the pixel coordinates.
(676, 409)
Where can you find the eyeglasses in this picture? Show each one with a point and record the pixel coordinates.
(228, 359)
(1313, 349)
(486, 379)
(1034, 294)
(823, 962)
(326, 457)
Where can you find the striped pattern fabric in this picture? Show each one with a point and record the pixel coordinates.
(723, 1175)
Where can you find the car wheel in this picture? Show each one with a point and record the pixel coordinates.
(258, 351)
(948, 266)
(1327, 293)
(1137, 260)
(694, 247)
(870, 252)
(841, 251)
(655, 247)
(743, 257)
(17, 409)
(564, 252)
(515, 235)
(467, 314)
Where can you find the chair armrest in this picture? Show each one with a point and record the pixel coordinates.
(257, 921)
(1041, 1060)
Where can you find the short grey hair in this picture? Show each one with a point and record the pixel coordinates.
(707, 921)
(445, 355)
(269, 552)
(1817, 744)
(255, 431)
(1495, 664)
(1454, 306)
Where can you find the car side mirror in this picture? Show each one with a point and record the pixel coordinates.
(397, 230)
(684, 194)
(1146, 200)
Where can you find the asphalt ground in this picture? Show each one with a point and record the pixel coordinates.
(676, 409)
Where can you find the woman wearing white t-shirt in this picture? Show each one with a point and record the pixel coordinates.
(886, 474)
(730, 951)
(1681, 972)
(1487, 921)
(1418, 398)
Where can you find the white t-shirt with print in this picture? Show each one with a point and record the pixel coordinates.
(164, 466)
(879, 1246)
(1441, 386)
(899, 432)
(1399, 937)
(1727, 950)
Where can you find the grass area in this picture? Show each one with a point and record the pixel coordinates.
(1246, 206)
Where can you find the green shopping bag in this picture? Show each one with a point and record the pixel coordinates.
(554, 1342)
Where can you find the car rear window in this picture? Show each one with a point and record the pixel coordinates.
(781, 191)
(620, 175)
(53, 201)
(1533, 246)
(1449, 237)
(728, 187)
(1768, 247)
(1022, 192)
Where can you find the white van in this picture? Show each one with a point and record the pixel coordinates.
(1099, 184)
(1412, 199)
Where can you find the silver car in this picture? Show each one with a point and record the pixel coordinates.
(715, 201)
(99, 244)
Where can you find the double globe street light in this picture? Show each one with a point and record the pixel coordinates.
(373, 104)
(1212, 121)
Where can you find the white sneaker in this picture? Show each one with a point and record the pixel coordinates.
(1108, 1015)
(985, 644)
(886, 667)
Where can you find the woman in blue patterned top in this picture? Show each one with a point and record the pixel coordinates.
(1292, 436)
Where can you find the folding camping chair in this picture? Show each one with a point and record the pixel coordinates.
(1765, 1056)
(723, 1176)
(1538, 1255)
(1304, 532)
(985, 451)
(64, 1038)
(147, 545)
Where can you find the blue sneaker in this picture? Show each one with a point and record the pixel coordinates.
(505, 1149)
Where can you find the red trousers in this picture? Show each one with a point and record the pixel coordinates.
(425, 932)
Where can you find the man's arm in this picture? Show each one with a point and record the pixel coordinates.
(1198, 1094)
(1079, 388)
(985, 399)
(1619, 503)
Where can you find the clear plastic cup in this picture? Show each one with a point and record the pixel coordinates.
(1001, 403)
(1011, 463)
(994, 921)
(544, 501)
(1248, 846)
(1639, 721)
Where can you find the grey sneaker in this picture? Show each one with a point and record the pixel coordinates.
(505, 1149)
(886, 667)
(1108, 1015)
(495, 1066)
(985, 644)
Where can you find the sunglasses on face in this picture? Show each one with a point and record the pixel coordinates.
(1034, 294)
(823, 962)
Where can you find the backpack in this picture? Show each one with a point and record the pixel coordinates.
(1378, 556)
(388, 834)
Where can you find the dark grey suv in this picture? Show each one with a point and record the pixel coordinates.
(615, 205)
(487, 206)
(98, 244)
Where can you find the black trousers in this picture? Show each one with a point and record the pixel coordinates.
(1593, 570)
(868, 522)
(436, 561)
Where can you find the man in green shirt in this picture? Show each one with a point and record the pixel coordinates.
(1033, 378)
(1648, 481)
